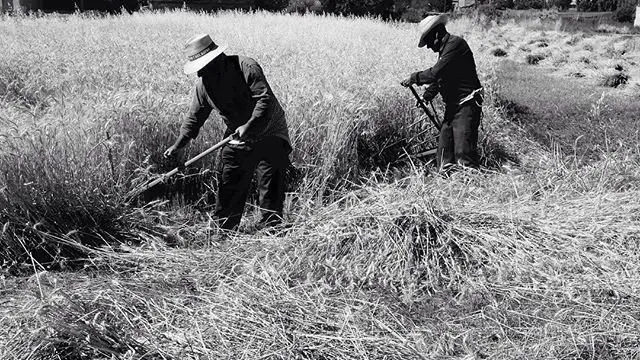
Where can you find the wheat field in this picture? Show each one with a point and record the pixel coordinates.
(533, 257)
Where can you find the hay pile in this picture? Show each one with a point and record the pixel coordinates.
(507, 265)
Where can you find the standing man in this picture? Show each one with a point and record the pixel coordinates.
(236, 87)
(454, 76)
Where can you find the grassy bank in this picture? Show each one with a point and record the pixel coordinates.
(534, 257)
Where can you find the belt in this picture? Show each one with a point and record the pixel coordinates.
(478, 91)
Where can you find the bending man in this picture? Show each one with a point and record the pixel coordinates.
(454, 76)
(236, 87)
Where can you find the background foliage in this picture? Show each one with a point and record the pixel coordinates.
(407, 10)
(415, 11)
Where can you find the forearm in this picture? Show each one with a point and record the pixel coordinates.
(424, 77)
(250, 123)
(181, 141)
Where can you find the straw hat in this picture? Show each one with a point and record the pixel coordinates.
(428, 24)
(200, 50)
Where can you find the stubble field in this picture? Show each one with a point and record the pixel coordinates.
(535, 256)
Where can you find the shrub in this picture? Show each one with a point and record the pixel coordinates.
(112, 6)
(534, 59)
(560, 4)
(529, 4)
(596, 5)
(626, 13)
(504, 4)
(441, 5)
(586, 5)
(499, 52)
(615, 80)
(304, 6)
(272, 5)
(386, 9)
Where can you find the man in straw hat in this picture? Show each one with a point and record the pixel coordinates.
(454, 76)
(236, 87)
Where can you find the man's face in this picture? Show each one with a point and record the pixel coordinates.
(431, 41)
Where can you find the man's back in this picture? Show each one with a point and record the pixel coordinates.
(239, 91)
(459, 77)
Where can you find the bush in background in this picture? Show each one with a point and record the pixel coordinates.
(387, 9)
(113, 6)
(529, 4)
(626, 13)
(596, 5)
(413, 11)
(560, 4)
(304, 6)
(503, 4)
(272, 5)
(440, 5)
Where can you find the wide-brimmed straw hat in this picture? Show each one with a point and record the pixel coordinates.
(429, 23)
(200, 51)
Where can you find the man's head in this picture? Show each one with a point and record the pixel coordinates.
(201, 51)
(432, 30)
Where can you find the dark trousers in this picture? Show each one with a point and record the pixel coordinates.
(459, 136)
(268, 158)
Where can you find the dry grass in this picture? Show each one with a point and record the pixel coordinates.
(498, 52)
(413, 269)
(99, 110)
(534, 59)
(533, 259)
(615, 80)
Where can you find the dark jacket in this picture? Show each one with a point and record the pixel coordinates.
(454, 72)
(239, 91)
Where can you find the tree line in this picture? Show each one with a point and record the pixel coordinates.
(410, 10)
(397, 9)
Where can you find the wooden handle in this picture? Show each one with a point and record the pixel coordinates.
(424, 107)
(136, 192)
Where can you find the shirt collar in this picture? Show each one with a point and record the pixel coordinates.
(445, 38)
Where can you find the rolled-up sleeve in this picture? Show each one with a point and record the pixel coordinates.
(432, 74)
(199, 111)
(259, 91)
